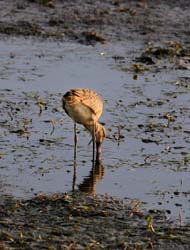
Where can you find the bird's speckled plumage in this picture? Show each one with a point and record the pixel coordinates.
(85, 107)
(89, 102)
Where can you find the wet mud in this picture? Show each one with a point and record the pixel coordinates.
(137, 55)
(77, 221)
(90, 22)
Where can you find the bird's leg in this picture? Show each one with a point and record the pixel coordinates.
(75, 156)
(75, 141)
(74, 175)
(98, 152)
(94, 141)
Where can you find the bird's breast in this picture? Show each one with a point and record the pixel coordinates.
(81, 114)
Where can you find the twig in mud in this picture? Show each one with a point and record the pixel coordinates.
(21, 132)
(150, 244)
(10, 115)
(118, 136)
(53, 122)
(135, 209)
(150, 227)
(40, 104)
(170, 119)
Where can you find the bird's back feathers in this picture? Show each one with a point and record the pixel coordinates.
(83, 102)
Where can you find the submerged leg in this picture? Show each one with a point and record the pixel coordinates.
(74, 174)
(98, 152)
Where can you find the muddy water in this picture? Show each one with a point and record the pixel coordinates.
(148, 162)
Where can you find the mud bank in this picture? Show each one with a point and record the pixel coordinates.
(77, 221)
(89, 22)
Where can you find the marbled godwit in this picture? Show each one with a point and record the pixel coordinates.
(85, 107)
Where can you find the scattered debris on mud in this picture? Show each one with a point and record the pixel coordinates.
(95, 21)
(77, 221)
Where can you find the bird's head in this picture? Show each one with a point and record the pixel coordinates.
(100, 136)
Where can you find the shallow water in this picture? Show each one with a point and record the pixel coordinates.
(149, 165)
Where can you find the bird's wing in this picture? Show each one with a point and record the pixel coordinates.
(90, 99)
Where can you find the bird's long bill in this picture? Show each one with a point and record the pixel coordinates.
(98, 152)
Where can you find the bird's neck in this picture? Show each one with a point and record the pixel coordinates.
(97, 129)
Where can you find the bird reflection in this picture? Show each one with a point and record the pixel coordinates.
(89, 183)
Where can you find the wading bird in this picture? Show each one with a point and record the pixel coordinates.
(85, 107)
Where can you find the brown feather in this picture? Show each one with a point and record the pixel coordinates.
(87, 97)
